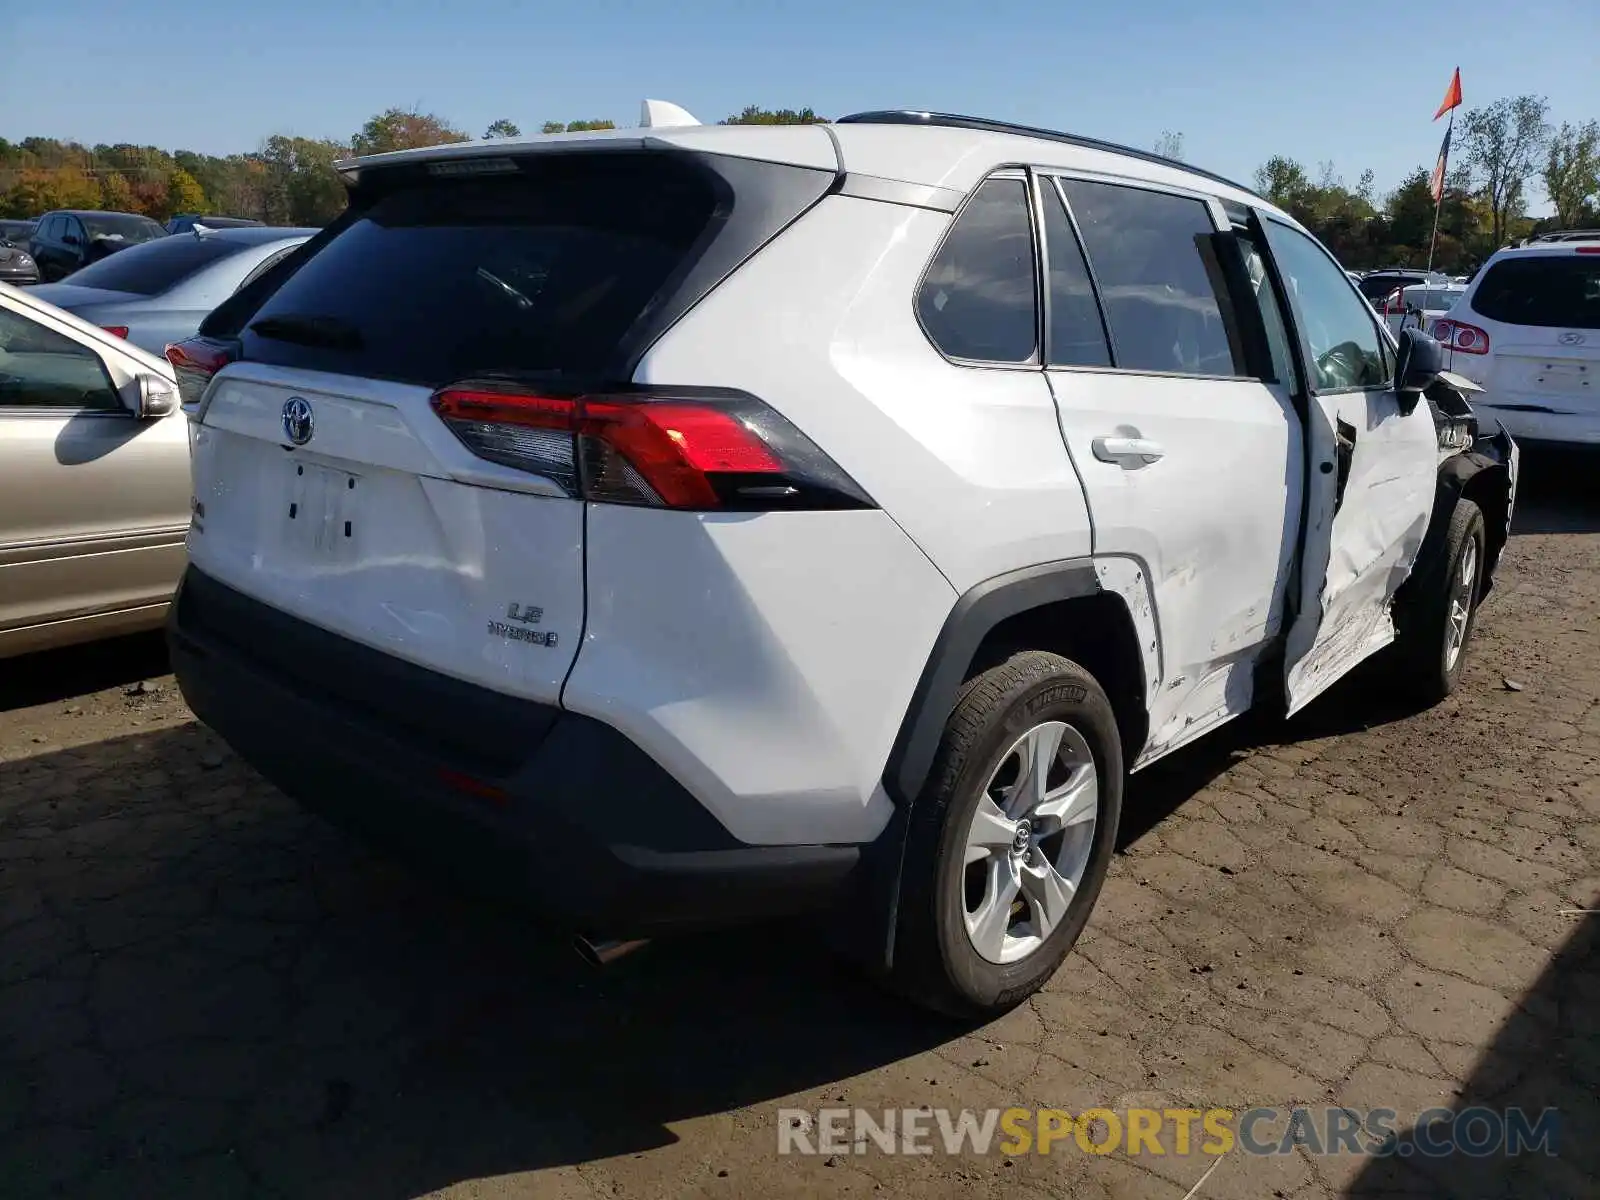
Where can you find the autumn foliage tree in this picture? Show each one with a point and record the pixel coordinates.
(403, 129)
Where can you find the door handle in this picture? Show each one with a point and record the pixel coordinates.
(1121, 449)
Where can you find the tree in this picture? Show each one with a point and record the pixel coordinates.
(582, 126)
(1572, 171)
(1282, 180)
(302, 186)
(184, 194)
(553, 127)
(1411, 210)
(1170, 145)
(1501, 143)
(754, 114)
(116, 193)
(502, 128)
(400, 129)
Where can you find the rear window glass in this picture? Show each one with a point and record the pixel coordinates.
(1380, 286)
(155, 266)
(1548, 291)
(541, 272)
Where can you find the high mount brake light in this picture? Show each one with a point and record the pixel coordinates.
(195, 360)
(694, 451)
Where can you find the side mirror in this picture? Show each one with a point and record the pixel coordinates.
(158, 397)
(1417, 364)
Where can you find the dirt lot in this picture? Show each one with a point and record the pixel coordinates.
(204, 992)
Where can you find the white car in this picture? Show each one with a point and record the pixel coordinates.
(1527, 330)
(689, 524)
(1419, 305)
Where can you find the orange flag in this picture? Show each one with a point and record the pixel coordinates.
(1452, 98)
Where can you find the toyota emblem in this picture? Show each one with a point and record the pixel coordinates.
(1571, 339)
(298, 421)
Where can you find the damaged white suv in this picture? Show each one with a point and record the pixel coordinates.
(689, 524)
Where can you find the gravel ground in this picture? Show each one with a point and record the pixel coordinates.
(204, 992)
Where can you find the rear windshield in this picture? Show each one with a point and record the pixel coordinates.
(155, 266)
(538, 272)
(1431, 298)
(1545, 290)
(1379, 286)
(122, 227)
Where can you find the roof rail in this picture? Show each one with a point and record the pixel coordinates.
(1566, 235)
(902, 116)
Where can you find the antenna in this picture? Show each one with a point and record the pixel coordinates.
(663, 114)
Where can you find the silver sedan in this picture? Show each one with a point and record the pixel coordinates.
(94, 479)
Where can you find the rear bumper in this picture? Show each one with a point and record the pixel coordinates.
(1543, 421)
(522, 799)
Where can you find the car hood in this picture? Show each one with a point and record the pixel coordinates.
(74, 298)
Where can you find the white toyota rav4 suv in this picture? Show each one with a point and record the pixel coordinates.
(687, 524)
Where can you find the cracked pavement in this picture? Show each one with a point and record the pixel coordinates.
(205, 992)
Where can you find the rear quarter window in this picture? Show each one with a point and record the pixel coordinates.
(152, 267)
(1547, 290)
(541, 272)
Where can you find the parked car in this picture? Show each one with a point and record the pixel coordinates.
(695, 533)
(94, 480)
(1377, 285)
(16, 263)
(1420, 304)
(159, 292)
(1527, 330)
(68, 239)
(184, 222)
(18, 233)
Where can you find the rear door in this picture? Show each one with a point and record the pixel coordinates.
(1190, 456)
(1372, 475)
(330, 486)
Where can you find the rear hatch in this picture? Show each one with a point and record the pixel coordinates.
(1542, 314)
(328, 485)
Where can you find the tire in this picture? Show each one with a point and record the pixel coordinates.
(1033, 695)
(1429, 659)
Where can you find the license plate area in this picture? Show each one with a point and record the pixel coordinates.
(321, 519)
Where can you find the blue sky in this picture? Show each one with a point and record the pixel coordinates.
(1241, 79)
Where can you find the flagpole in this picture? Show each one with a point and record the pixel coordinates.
(1444, 172)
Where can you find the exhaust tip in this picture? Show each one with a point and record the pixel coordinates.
(599, 954)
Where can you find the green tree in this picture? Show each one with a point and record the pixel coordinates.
(1282, 180)
(302, 187)
(754, 114)
(184, 194)
(584, 126)
(1572, 171)
(402, 129)
(553, 127)
(502, 128)
(1502, 144)
(1411, 210)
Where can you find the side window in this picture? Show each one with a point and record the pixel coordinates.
(1159, 280)
(977, 299)
(1270, 305)
(40, 368)
(1346, 350)
(1077, 333)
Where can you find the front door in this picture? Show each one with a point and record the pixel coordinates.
(1373, 472)
(1191, 457)
(93, 501)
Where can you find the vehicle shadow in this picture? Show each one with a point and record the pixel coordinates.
(52, 675)
(1558, 491)
(203, 991)
(1546, 1056)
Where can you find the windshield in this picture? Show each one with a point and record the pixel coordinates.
(122, 226)
(155, 266)
(1545, 290)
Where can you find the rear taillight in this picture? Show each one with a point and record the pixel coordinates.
(120, 331)
(701, 451)
(195, 361)
(1587, 249)
(1456, 335)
